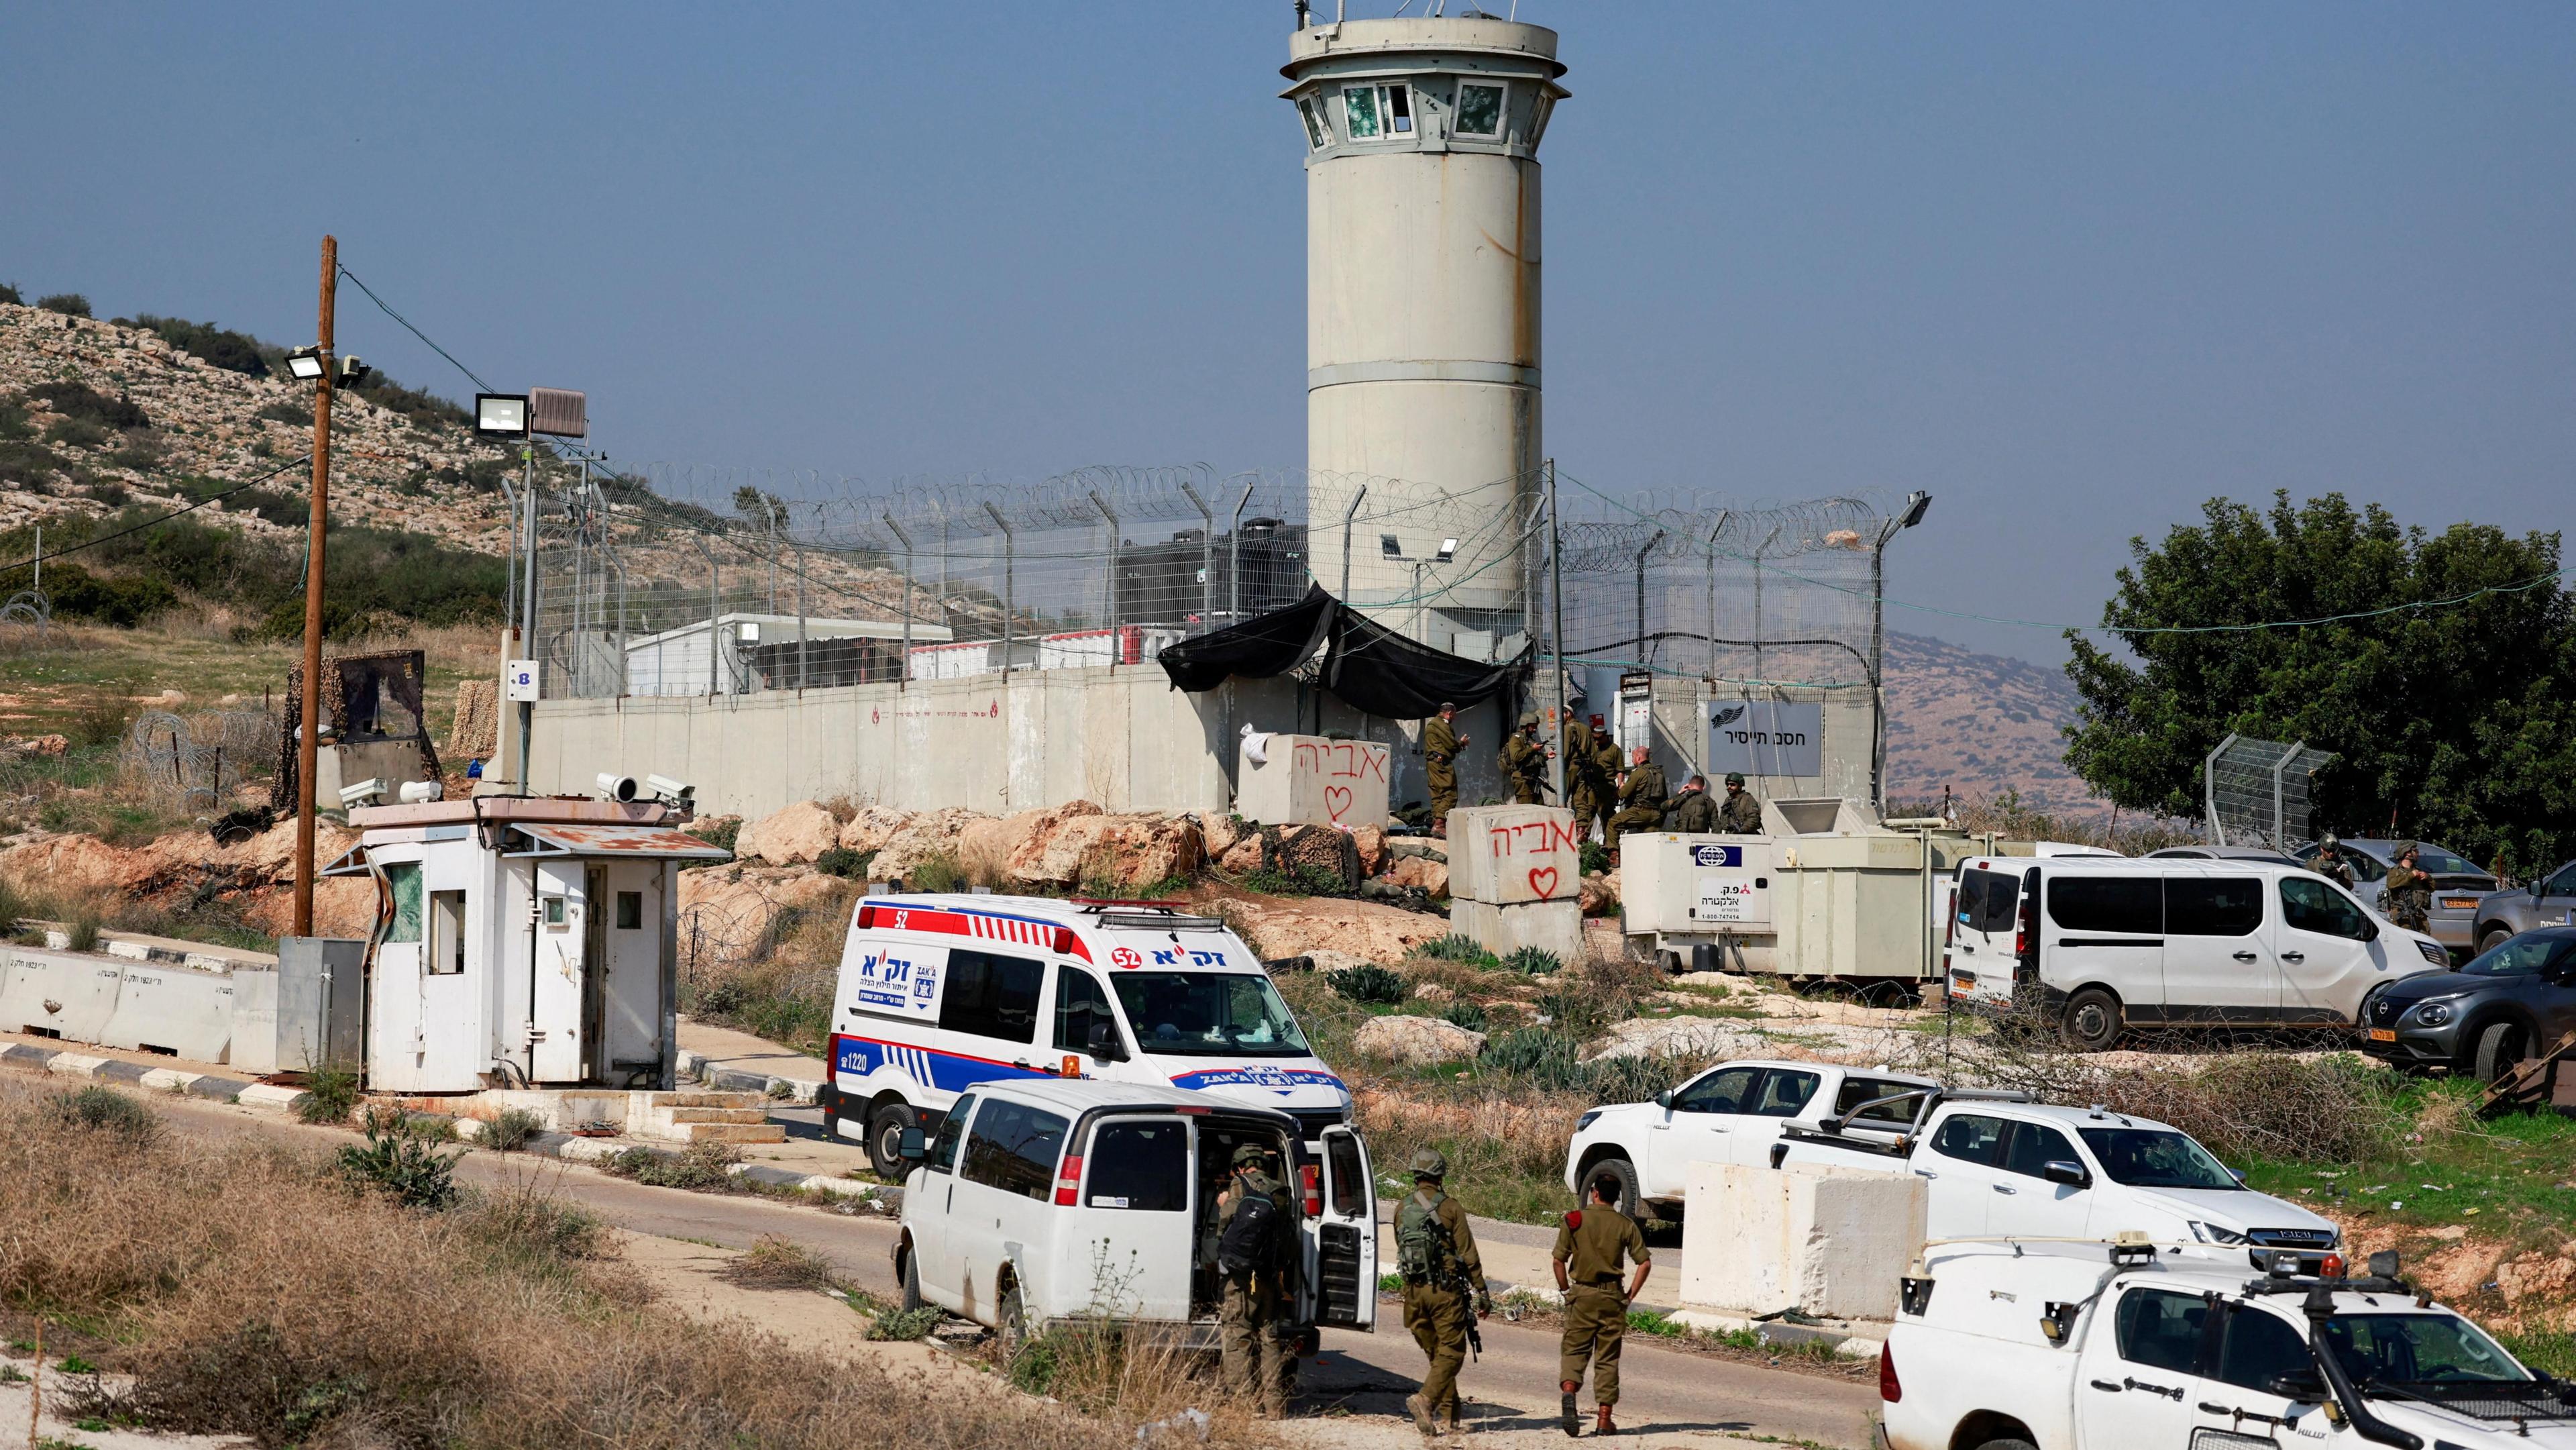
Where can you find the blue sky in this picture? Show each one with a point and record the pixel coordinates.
(2073, 269)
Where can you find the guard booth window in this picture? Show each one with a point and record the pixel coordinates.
(403, 878)
(1359, 113)
(1480, 110)
(446, 933)
(991, 996)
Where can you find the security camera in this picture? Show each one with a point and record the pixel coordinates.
(364, 793)
(671, 792)
(420, 792)
(619, 788)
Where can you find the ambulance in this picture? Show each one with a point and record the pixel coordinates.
(939, 992)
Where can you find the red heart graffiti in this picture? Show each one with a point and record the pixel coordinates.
(1542, 879)
(1330, 806)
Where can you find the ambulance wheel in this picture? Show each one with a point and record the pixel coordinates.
(885, 1140)
(2091, 1022)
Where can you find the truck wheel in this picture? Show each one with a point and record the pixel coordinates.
(2091, 1022)
(885, 1140)
(2499, 1050)
(2496, 936)
(1632, 1195)
(1014, 1323)
(912, 1280)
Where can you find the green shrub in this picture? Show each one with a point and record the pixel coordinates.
(904, 1324)
(938, 871)
(510, 1129)
(89, 405)
(75, 433)
(422, 408)
(9, 294)
(1532, 960)
(1455, 948)
(400, 1163)
(1369, 983)
(699, 1166)
(69, 304)
(720, 834)
(1464, 1014)
(1540, 1057)
(282, 411)
(106, 1111)
(14, 422)
(844, 862)
(1596, 857)
(237, 352)
(330, 1095)
(27, 463)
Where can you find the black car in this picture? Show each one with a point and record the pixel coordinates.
(2508, 1003)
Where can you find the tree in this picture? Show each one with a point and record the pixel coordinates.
(2450, 721)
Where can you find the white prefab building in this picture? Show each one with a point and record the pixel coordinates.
(522, 942)
(771, 652)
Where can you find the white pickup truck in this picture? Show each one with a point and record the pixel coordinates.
(2128, 1346)
(1731, 1113)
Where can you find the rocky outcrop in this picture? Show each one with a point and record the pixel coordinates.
(799, 834)
(929, 835)
(1417, 1041)
(870, 827)
(1420, 873)
(1278, 926)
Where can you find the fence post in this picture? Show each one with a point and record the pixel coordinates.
(1641, 595)
(1348, 515)
(1234, 560)
(1719, 528)
(1010, 604)
(1759, 676)
(1207, 553)
(1110, 611)
(903, 676)
(715, 577)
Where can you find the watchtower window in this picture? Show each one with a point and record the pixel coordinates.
(1480, 109)
(630, 911)
(1360, 113)
(1399, 110)
(1318, 135)
(446, 933)
(1538, 119)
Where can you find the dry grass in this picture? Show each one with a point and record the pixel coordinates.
(774, 1262)
(306, 1313)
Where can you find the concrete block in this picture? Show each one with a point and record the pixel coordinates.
(254, 1044)
(589, 1150)
(67, 993)
(220, 1089)
(270, 1097)
(1507, 855)
(1830, 1241)
(23, 1054)
(189, 1014)
(73, 1064)
(114, 1070)
(169, 1079)
(1309, 780)
(1550, 926)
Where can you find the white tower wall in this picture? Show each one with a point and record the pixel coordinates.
(1422, 265)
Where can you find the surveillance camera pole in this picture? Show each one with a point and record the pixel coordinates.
(308, 735)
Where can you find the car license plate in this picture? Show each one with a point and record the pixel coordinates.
(2460, 903)
(2383, 1034)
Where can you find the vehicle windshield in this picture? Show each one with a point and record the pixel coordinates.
(1208, 1014)
(2156, 1158)
(2434, 861)
(2522, 956)
(2419, 1349)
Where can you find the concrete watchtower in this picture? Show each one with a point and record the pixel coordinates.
(1422, 308)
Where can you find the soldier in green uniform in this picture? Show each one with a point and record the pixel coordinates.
(2407, 895)
(1742, 814)
(1589, 1248)
(2330, 862)
(1578, 774)
(1641, 798)
(1692, 810)
(1435, 1253)
(1605, 778)
(1525, 762)
(1441, 742)
(1252, 1222)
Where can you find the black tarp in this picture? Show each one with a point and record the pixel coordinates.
(1369, 667)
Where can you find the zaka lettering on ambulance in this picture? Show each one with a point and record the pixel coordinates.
(1172, 958)
(885, 980)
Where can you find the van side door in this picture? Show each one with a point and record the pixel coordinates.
(930, 1207)
(2218, 957)
(2107, 929)
(1342, 1263)
(1004, 1210)
(2330, 951)
(1137, 1199)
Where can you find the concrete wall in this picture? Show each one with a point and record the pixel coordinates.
(1123, 738)
(1830, 1241)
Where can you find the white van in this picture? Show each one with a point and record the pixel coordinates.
(1047, 1201)
(940, 992)
(2105, 943)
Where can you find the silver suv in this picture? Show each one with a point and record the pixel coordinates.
(2457, 887)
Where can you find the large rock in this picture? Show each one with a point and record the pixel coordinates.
(871, 827)
(1125, 851)
(929, 834)
(1051, 852)
(1430, 876)
(1371, 841)
(1220, 830)
(726, 912)
(1241, 858)
(800, 834)
(1417, 1040)
(475, 732)
(1307, 926)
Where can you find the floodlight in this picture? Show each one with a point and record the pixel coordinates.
(420, 792)
(1448, 550)
(559, 412)
(304, 364)
(1390, 546)
(501, 415)
(364, 793)
(1915, 505)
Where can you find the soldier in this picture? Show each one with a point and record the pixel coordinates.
(1641, 798)
(1605, 776)
(1692, 810)
(2407, 895)
(2330, 862)
(1578, 775)
(1742, 814)
(1525, 762)
(1435, 1254)
(1588, 1252)
(1251, 1215)
(1441, 742)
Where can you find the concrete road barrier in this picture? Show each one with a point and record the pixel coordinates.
(172, 1009)
(67, 994)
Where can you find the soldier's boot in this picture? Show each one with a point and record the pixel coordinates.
(1601, 1425)
(1420, 1409)
(1570, 1419)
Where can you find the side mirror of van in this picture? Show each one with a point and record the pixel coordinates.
(2058, 1170)
(1103, 1042)
(911, 1149)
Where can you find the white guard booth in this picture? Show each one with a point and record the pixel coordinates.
(522, 942)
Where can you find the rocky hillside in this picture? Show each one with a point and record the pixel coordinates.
(1981, 725)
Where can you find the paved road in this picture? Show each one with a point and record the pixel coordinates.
(1512, 1387)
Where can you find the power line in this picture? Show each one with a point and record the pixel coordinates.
(174, 513)
(388, 311)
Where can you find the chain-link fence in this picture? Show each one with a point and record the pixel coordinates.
(2257, 791)
(689, 580)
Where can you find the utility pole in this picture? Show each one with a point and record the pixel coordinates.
(308, 737)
